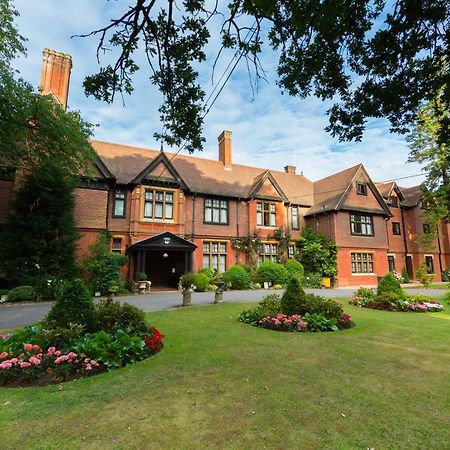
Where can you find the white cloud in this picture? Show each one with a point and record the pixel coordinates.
(271, 131)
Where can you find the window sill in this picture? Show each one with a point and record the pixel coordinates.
(363, 274)
(217, 224)
(145, 219)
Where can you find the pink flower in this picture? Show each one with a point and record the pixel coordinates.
(3, 355)
(2, 366)
(27, 347)
(34, 360)
(88, 367)
(58, 353)
(24, 364)
(7, 364)
(51, 351)
(13, 360)
(36, 348)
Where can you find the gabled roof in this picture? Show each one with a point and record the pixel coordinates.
(163, 241)
(201, 175)
(259, 182)
(331, 192)
(411, 196)
(386, 190)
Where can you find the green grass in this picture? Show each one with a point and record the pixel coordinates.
(444, 285)
(220, 384)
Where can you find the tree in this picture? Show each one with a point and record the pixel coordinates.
(35, 130)
(39, 241)
(427, 148)
(317, 254)
(376, 59)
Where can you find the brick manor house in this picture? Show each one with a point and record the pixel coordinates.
(172, 215)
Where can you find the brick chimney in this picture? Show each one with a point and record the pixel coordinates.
(290, 169)
(56, 75)
(225, 149)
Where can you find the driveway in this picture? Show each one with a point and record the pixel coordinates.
(20, 314)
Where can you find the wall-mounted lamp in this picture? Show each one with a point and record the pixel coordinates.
(165, 255)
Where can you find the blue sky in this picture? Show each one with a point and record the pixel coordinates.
(270, 130)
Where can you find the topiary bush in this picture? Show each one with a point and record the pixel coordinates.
(111, 316)
(390, 284)
(237, 277)
(272, 272)
(423, 276)
(405, 275)
(23, 294)
(74, 305)
(294, 268)
(201, 282)
(293, 298)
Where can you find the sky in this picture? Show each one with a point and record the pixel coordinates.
(270, 130)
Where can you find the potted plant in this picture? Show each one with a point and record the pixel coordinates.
(187, 287)
(143, 283)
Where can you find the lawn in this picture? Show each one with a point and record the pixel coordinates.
(222, 384)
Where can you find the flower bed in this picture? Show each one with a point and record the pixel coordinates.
(297, 311)
(366, 298)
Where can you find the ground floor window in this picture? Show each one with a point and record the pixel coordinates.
(391, 263)
(215, 256)
(291, 251)
(362, 262)
(429, 263)
(267, 252)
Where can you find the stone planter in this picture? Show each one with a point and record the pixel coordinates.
(187, 297)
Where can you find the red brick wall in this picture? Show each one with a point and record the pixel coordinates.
(6, 195)
(90, 208)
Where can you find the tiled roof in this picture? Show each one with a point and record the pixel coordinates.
(329, 191)
(201, 175)
(412, 196)
(385, 188)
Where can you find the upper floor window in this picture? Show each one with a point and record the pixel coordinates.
(295, 218)
(266, 214)
(216, 211)
(116, 245)
(119, 203)
(396, 228)
(361, 189)
(393, 201)
(158, 204)
(361, 225)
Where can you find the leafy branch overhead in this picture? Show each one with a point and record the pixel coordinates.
(374, 58)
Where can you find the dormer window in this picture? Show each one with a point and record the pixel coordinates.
(361, 189)
(393, 201)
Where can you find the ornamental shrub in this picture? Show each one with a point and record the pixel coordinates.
(74, 305)
(201, 282)
(271, 304)
(111, 316)
(293, 298)
(237, 277)
(187, 280)
(252, 316)
(272, 272)
(23, 294)
(405, 275)
(423, 276)
(389, 283)
(312, 280)
(294, 268)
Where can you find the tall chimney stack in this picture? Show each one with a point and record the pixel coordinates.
(290, 169)
(225, 149)
(56, 75)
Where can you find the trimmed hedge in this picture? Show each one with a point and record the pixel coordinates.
(23, 294)
(272, 272)
(237, 277)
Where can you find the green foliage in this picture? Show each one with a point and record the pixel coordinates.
(111, 316)
(272, 272)
(293, 297)
(445, 275)
(23, 294)
(39, 241)
(389, 283)
(423, 276)
(294, 268)
(252, 316)
(312, 280)
(142, 276)
(447, 297)
(237, 277)
(187, 281)
(74, 305)
(112, 349)
(61, 337)
(208, 272)
(317, 254)
(201, 282)
(405, 275)
(283, 236)
(318, 322)
(102, 266)
(31, 333)
(271, 304)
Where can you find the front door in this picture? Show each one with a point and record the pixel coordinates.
(164, 269)
(409, 267)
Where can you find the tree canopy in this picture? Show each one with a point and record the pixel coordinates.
(373, 58)
(35, 129)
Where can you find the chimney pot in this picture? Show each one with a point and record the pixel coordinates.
(290, 169)
(55, 75)
(225, 140)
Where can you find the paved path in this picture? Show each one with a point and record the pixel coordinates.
(17, 315)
